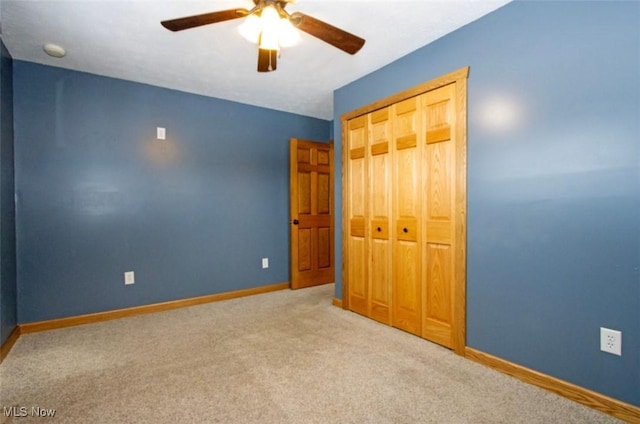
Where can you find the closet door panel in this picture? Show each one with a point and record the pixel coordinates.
(406, 288)
(439, 177)
(438, 307)
(406, 291)
(357, 209)
(380, 214)
(380, 281)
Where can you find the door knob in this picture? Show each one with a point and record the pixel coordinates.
(379, 229)
(405, 230)
(296, 222)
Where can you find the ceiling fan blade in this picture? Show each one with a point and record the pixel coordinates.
(267, 60)
(328, 33)
(204, 19)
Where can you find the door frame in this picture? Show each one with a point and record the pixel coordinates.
(459, 77)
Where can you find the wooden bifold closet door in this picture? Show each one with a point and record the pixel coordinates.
(404, 201)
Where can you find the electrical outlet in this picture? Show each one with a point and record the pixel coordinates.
(129, 278)
(611, 341)
(265, 263)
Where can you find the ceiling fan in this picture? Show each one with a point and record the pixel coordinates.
(270, 26)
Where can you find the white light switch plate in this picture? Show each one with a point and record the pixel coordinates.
(265, 263)
(129, 277)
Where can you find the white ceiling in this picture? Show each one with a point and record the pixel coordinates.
(124, 39)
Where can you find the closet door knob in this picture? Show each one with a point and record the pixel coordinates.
(379, 229)
(296, 222)
(405, 230)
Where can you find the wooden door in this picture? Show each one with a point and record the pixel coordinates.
(355, 228)
(438, 109)
(423, 175)
(379, 202)
(311, 206)
(407, 283)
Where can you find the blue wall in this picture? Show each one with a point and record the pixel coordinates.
(553, 182)
(98, 195)
(8, 290)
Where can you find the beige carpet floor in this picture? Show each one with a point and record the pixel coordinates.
(282, 357)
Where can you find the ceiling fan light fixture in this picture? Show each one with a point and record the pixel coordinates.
(288, 34)
(269, 40)
(270, 18)
(270, 22)
(269, 29)
(269, 26)
(250, 29)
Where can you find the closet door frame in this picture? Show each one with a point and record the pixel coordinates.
(459, 77)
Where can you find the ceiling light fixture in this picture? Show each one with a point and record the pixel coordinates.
(54, 50)
(269, 26)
